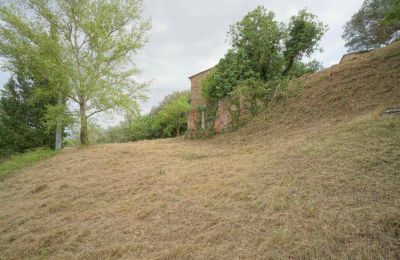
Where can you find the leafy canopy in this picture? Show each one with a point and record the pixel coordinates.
(263, 50)
(392, 17)
(376, 24)
(304, 32)
(257, 38)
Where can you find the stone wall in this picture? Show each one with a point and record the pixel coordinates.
(226, 114)
(196, 100)
(223, 118)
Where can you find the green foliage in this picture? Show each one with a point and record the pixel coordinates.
(256, 38)
(278, 90)
(393, 16)
(301, 68)
(83, 48)
(116, 134)
(32, 51)
(168, 119)
(264, 50)
(247, 95)
(57, 113)
(22, 117)
(172, 116)
(232, 69)
(97, 134)
(209, 85)
(376, 24)
(20, 161)
(143, 128)
(303, 35)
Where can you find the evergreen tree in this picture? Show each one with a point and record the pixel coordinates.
(22, 124)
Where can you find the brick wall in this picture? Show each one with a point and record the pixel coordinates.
(196, 97)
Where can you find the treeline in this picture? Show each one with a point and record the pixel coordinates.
(168, 119)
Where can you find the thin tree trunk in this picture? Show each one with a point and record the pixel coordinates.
(83, 132)
(178, 129)
(58, 129)
(288, 67)
(58, 136)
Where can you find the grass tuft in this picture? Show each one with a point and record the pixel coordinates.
(20, 161)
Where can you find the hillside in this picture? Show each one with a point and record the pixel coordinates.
(317, 175)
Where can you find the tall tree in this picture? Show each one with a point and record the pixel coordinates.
(95, 43)
(21, 117)
(367, 29)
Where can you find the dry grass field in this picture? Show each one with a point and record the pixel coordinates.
(316, 176)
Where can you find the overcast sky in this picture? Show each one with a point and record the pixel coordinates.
(189, 36)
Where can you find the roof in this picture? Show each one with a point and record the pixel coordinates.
(204, 71)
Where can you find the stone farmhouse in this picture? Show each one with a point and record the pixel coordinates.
(197, 118)
(227, 112)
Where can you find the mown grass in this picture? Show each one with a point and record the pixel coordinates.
(314, 177)
(329, 192)
(20, 161)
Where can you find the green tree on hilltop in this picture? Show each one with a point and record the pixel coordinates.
(376, 24)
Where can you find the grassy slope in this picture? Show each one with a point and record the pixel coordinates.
(316, 176)
(20, 161)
